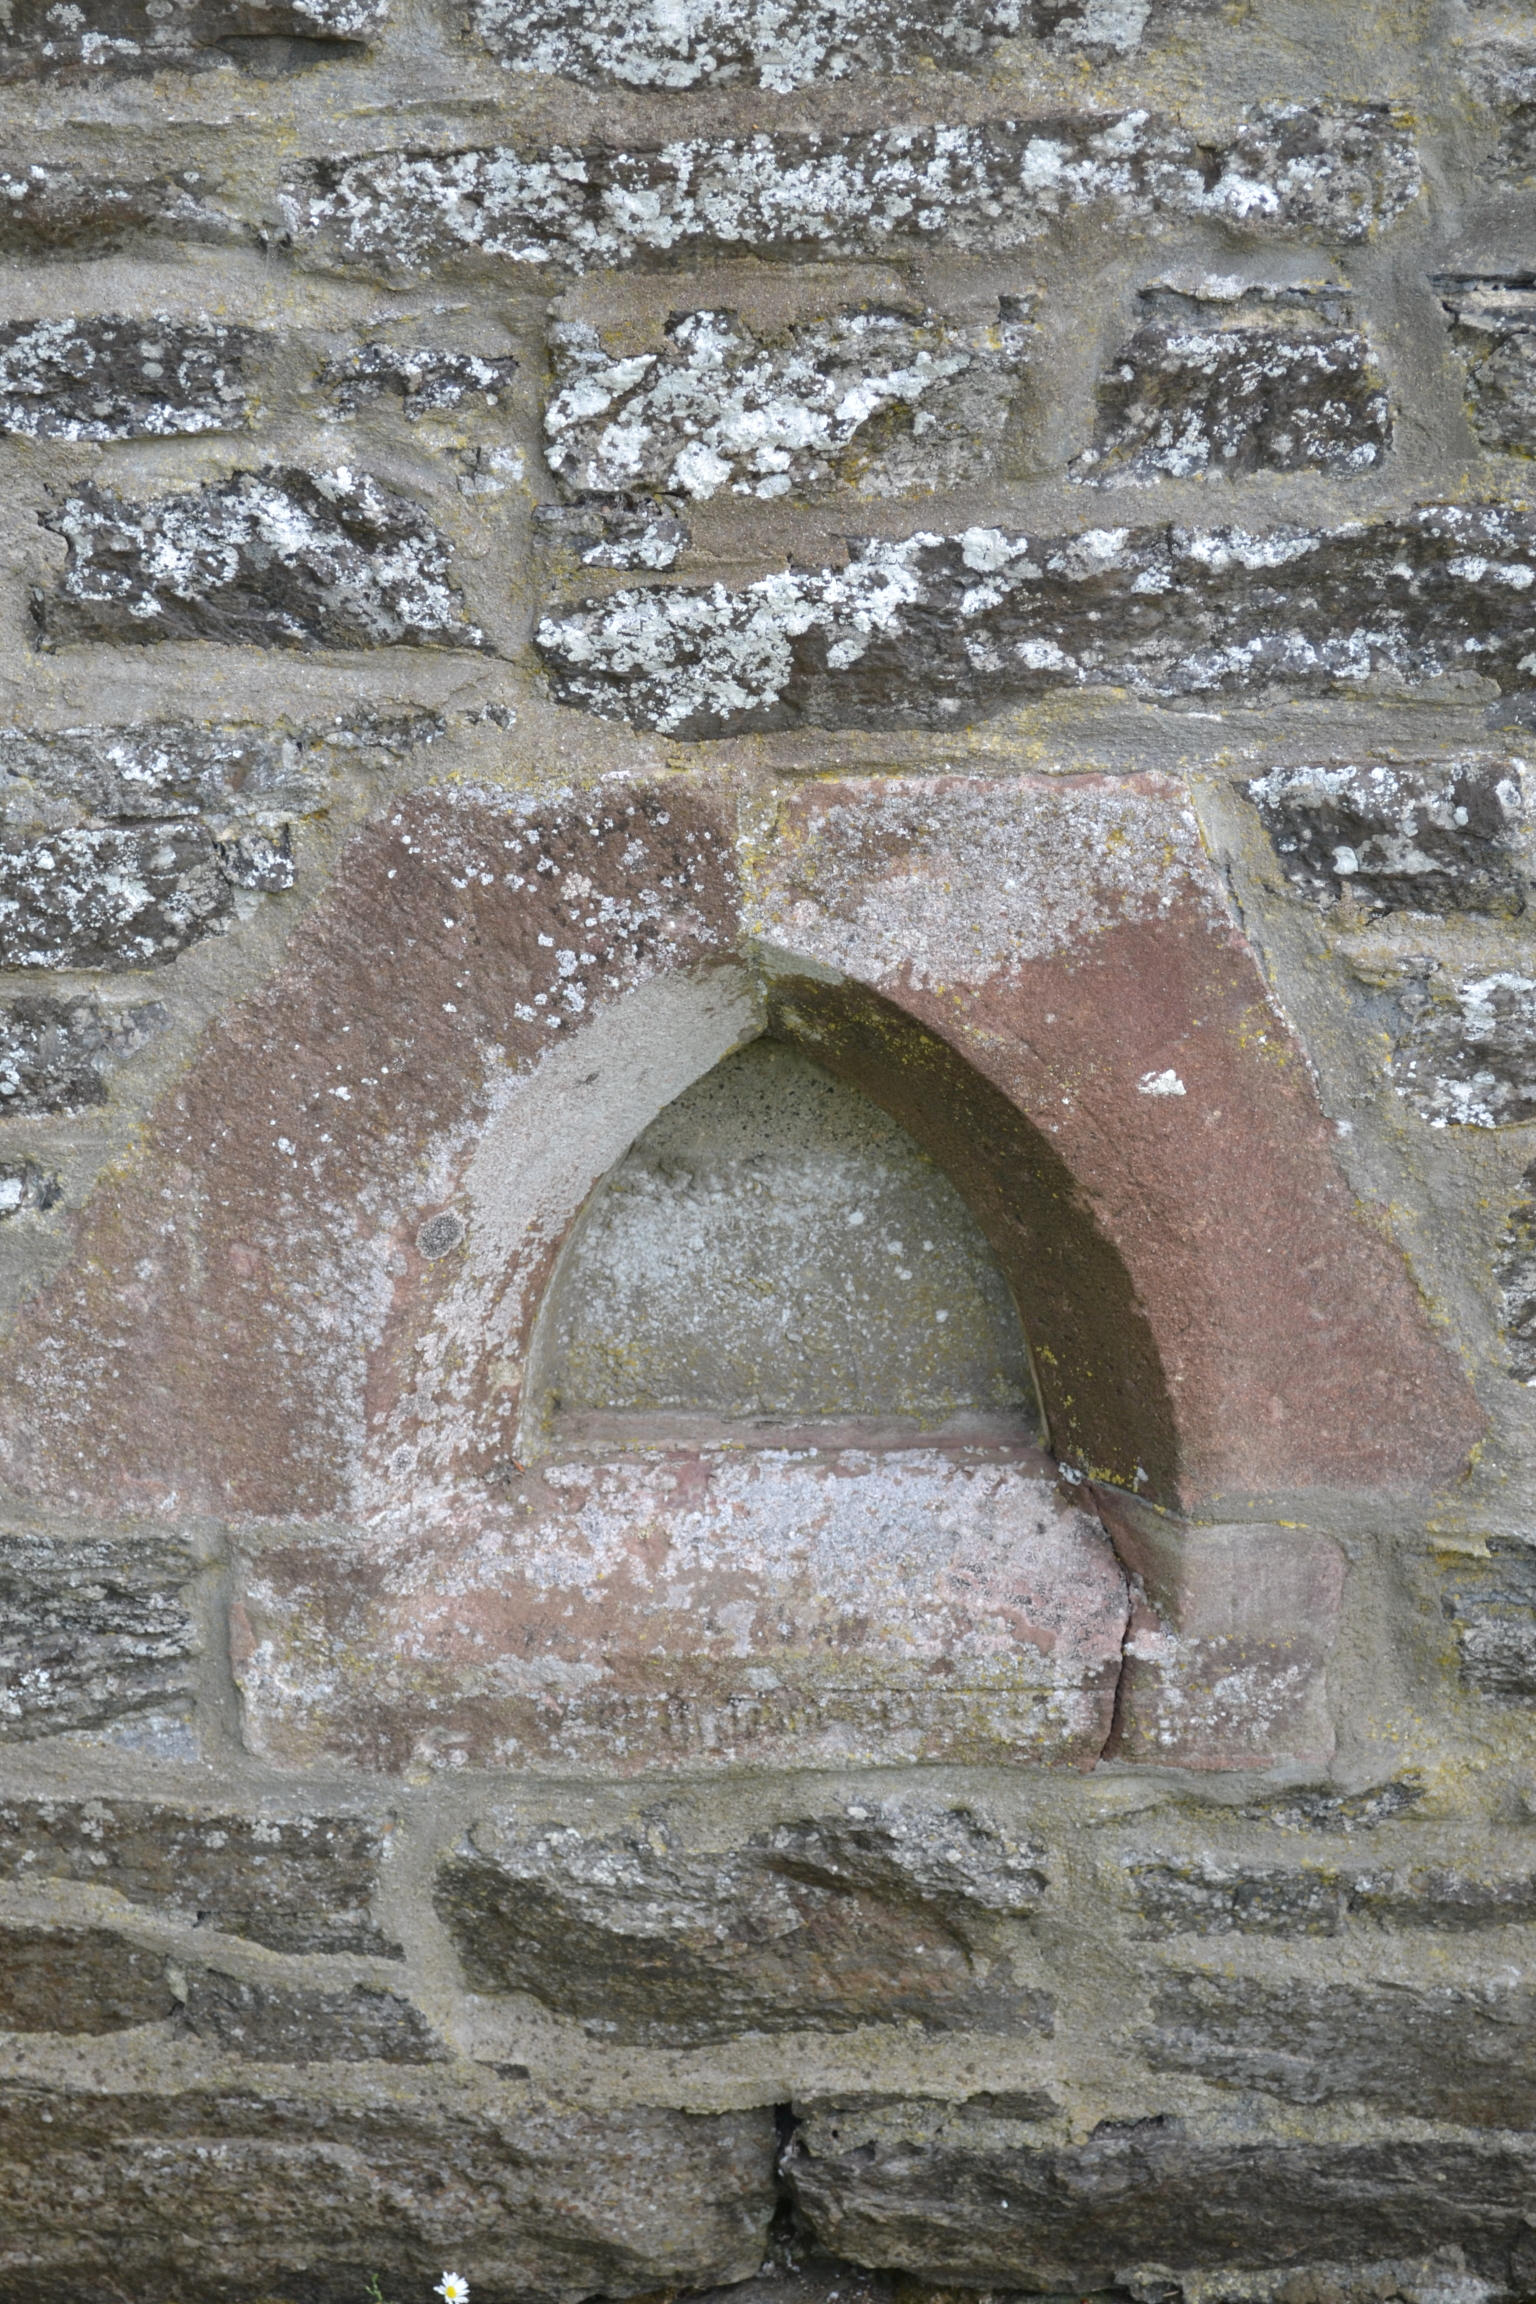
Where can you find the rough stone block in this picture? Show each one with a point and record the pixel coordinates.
(881, 401)
(876, 1915)
(924, 632)
(121, 36)
(274, 2023)
(1285, 170)
(609, 532)
(116, 379)
(26, 1184)
(79, 1980)
(1212, 1896)
(1339, 1814)
(1145, 2202)
(47, 211)
(1493, 1607)
(1442, 1899)
(1220, 381)
(1493, 333)
(1499, 64)
(305, 2187)
(109, 899)
(259, 860)
(425, 380)
(56, 1054)
(1438, 837)
(1514, 1274)
(273, 559)
(295, 1884)
(1465, 1051)
(1430, 2052)
(92, 1630)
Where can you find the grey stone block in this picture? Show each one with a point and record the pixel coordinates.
(61, 211)
(91, 1631)
(933, 630)
(109, 899)
(275, 2023)
(1493, 333)
(295, 1884)
(610, 532)
(1436, 837)
(116, 379)
(56, 1054)
(1209, 1896)
(1514, 1273)
(27, 1184)
(1500, 68)
(424, 380)
(1442, 1899)
(79, 1980)
(1465, 1054)
(1492, 1604)
(127, 36)
(1339, 1814)
(272, 559)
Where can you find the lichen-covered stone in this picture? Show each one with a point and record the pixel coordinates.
(276, 2023)
(1500, 67)
(60, 211)
(1493, 1608)
(259, 860)
(56, 1054)
(610, 532)
(1465, 1055)
(1431, 837)
(117, 379)
(921, 632)
(109, 899)
(1444, 1899)
(1339, 1814)
(878, 400)
(1220, 380)
(79, 1980)
(1429, 2052)
(285, 2185)
(875, 1915)
(27, 1184)
(1514, 1274)
(92, 1630)
(1287, 169)
(1211, 1897)
(275, 559)
(42, 39)
(295, 1884)
(1493, 333)
(424, 379)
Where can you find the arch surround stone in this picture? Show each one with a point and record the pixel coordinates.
(332, 1246)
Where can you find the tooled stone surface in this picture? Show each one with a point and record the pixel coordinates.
(91, 1630)
(983, 2203)
(874, 1915)
(278, 558)
(1287, 169)
(56, 1054)
(116, 379)
(79, 1980)
(149, 35)
(1223, 382)
(919, 632)
(109, 899)
(295, 1884)
(1493, 333)
(299, 2187)
(1514, 1273)
(58, 211)
(278, 2023)
(1465, 1054)
(1431, 837)
(425, 379)
(1493, 1608)
(1430, 2052)
(881, 401)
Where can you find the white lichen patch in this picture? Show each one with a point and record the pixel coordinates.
(1286, 169)
(112, 379)
(1440, 836)
(881, 401)
(109, 899)
(1493, 333)
(427, 381)
(1466, 1056)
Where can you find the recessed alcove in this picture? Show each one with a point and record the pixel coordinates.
(775, 1258)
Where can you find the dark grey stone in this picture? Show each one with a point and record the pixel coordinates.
(295, 1884)
(109, 899)
(79, 1980)
(1437, 837)
(821, 1925)
(1427, 1898)
(115, 379)
(611, 532)
(1339, 1813)
(1502, 73)
(931, 631)
(1493, 333)
(273, 559)
(46, 211)
(1284, 170)
(1208, 1896)
(129, 36)
(1276, 380)
(291, 2024)
(91, 1630)
(1436, 2052)
(1465, 1054)
(1492, 1604)
(423, 379)
(260, 860)
(954, 2203)
(55, 1053)
(27, 1184)
(1514, 1273)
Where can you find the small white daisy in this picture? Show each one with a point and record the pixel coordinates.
(453, 2288)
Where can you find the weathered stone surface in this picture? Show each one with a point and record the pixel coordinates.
(1431, 2052)
(1286, 169)
(876, 1915)
(1493, 332)
(1493, 1608)
(26, 1184)
(258, 860)
(1219, 380)
(275, 559)
(1514, 1274)
(79, 1980)
(152, 35)
(1339, 1813)
(295, 1884)
(1465, 1054)
(1215, 1896)
(1500, 66)
(919, 2188)
(48, 211)
(424, 379)
(918, 633)
(241, 2192)
(116, 379)
(880, 401)
(611, 532)
(109, 899)
(1436, 837)
(91, 1630)
(56, 1054)
(288, 2024)
(1443, 1899)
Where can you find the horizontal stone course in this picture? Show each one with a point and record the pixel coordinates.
(76, 1980)
(1221, 1896)
(93, 1630)
(110, 899)
(279, 2023)
(48, 211)
(117, 379)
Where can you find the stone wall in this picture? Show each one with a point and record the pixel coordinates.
(768, 1151)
